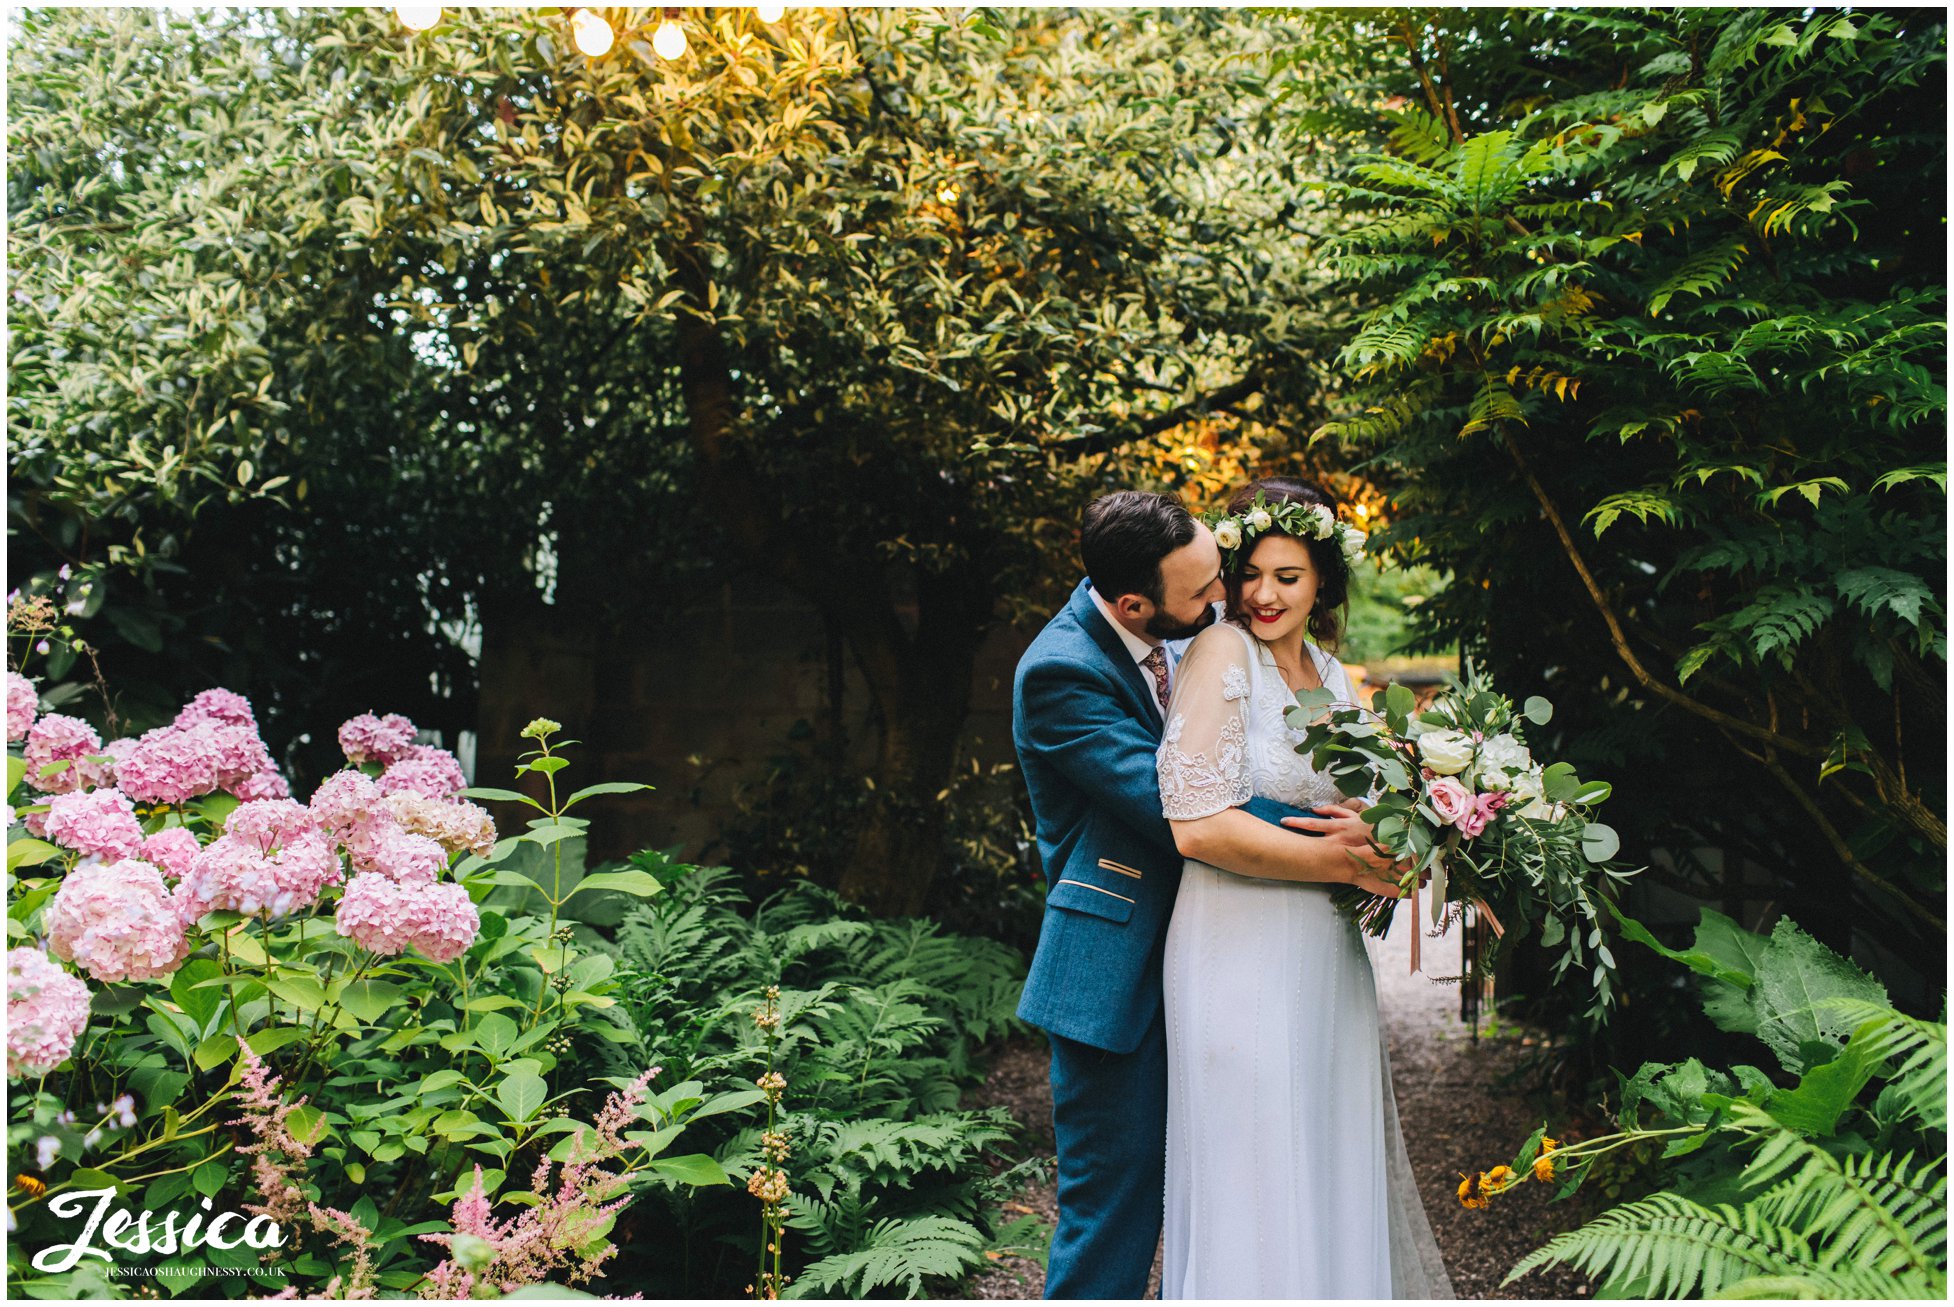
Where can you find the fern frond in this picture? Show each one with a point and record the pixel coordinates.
(1676, 1246)
(896, 1252)
(1920, 1082)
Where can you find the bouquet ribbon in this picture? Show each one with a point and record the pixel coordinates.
(1417, 932)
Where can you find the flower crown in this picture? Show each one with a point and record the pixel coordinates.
(1304, 521)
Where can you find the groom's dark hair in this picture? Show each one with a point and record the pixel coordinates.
(1124, 537)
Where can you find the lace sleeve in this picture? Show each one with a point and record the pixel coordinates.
(1203, 759)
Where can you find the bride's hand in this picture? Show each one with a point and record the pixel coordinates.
(1340, 823)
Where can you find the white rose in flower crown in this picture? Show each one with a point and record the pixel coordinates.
(1446, 752)
(1260, 519)
(1497, 757)
(1353, 545)
(1322, 521)
(1228, 534)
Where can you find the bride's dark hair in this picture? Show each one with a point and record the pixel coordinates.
(1326, 619)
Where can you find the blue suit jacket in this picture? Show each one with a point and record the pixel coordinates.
(1086, 731)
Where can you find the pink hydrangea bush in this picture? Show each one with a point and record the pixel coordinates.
(47, 1009)
(116, 922)
(172, 851)
(272, 859)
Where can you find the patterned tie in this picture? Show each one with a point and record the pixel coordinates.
(1156, 664)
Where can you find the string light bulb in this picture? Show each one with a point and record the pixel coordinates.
(591, 33)
(771, 13)
(669, 39)
(948, 193)
(417, 18)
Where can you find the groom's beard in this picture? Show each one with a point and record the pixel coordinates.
(1161, 626)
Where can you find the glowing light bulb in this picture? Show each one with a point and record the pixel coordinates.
(949, 193)
(771, 13)
(591, 33)
(669, 40)
(417, 18)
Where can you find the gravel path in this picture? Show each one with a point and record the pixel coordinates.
(1454, 1120)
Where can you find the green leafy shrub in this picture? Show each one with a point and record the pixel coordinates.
(879, 1023)
(1827, 1179)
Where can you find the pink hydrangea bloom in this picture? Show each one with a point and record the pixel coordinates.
(382, 846)
(426, 770)
(236, 751)
(22, 705)
(169, 765)
(384, 740)
(98, 822)
(262, 785)
(218, 705)
(454, 826)
(60, 738)
(270, 824)
(267, 866)
(172, 851)
(386, 916)
(344, 802)
(115, 921)
(116, 750)
(47, 1009)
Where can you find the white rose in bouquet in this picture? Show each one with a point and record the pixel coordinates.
(1531, 798)
(1446, 752)
(1497, 757)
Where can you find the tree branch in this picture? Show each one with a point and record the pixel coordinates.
(1840, 848)
(1619, 639)
(1102, 442)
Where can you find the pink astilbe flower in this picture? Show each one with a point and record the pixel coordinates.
(262, 785)
(101, 823)
(272, 858)
(47, 1009)
(116, 922)
(426, 770)
(22, 706)
(388, 917)
(543, 1239)
(277, 1155)
(218, 705)
(60, 738)
(358, 1282)
(384, 740)
(172, 851)
(169, 765)
(454, 826)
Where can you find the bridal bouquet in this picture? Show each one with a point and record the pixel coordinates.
(1457, 793)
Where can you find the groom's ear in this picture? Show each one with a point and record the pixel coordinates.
(1134, 607)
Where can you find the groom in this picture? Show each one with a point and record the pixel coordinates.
(1087, 713)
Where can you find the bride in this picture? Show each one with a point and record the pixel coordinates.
(1286, 1172)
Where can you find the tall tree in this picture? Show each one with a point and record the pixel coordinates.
(861, 306)
(1651, 342)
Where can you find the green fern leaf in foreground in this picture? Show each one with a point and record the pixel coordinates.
(897, 1252)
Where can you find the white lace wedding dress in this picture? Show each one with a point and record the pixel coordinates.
(1286, 1172)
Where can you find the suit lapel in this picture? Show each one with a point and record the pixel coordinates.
(1087, 615)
